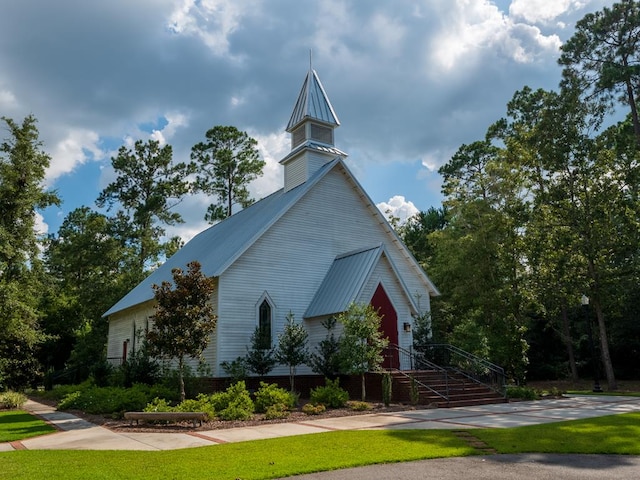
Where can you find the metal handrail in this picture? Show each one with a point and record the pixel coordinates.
(486, 373)
(410, 355)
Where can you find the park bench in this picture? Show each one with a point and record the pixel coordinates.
(196, 417)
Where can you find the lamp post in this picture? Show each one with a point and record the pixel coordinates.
(596, 380)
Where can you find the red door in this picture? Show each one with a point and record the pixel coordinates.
(389, 326)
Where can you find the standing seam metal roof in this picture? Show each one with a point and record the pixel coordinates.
(220, 245)
(312, 102)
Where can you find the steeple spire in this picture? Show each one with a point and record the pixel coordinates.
(312, 103)
(311, 127)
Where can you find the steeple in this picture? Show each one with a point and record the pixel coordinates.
(311, 126)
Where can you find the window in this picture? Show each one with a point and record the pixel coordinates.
(264, 324)
(297, 137)
(321, 133)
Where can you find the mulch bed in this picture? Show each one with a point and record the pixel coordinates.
(122, 425)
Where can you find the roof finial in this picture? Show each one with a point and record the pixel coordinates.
(310, 59)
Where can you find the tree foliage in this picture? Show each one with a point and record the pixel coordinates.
(260, 355)
(184, 318)
(147, 188)
(362, 342)
(292, 347)
(227, 161)
(325, 359)
(22, 169)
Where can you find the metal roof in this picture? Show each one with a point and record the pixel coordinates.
(343, 282)
(311, 145)
(312, 102)
(217, 247)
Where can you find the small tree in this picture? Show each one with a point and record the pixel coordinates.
(184, 317)
(362, 343)
(260, 356)
(292, 347)
(326, 358)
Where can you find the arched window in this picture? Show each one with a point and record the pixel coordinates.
(264, 324)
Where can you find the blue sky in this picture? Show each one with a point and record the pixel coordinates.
(410, 81)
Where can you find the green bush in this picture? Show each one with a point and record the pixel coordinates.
(158, 405)
(276, 411)
(359, 406)
(12, 400)
(109, 400)
(270, 394)
(331, 395)
(311, 409)
(202, 403)
(234, 403)
(522, 393)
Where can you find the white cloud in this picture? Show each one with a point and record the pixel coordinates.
(212, 21)
(398, 207)
(543, 11)
(472, 27)
(41, 228)
(79, 146)
(8, 100)
(273, 148)
(174, 121)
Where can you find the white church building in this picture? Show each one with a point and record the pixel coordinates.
(310, 248)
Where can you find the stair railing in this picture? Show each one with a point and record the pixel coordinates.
(467, 364)
(408, 357)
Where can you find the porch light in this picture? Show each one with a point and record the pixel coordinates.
(406, 326)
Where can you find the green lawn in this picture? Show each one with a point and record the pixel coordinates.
(280, 457)
(614, 434)
(17, 425)
(271, 458)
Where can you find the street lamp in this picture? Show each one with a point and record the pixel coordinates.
(585, 308)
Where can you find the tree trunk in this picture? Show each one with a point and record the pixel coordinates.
(604, 346)
(183, 395)
(364, 392)
(568, 341)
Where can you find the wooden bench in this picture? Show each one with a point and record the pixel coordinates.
(196, 417)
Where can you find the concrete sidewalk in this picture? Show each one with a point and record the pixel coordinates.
(77, 434)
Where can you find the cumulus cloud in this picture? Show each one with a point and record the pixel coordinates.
(273, 148)
(212, 21)
(474, 27)
(79, 146)
(543, 11)
(174, 121)
(398, 207)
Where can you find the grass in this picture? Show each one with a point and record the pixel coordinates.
(614, 434)
(17, 425)
(273, 458)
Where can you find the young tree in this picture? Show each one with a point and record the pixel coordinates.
(326, 358)
(362, 342)
(22, 169)
(184, 317)
(292, 347)
(147, 188)
(226, 162)
(259, 357)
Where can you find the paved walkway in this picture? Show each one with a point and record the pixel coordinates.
(77, 434)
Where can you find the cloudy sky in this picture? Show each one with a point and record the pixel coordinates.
(410, 81)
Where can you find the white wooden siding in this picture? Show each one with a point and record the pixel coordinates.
(290, 260)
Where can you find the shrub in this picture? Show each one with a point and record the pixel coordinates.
(200, 404)
(234, 403)
(270, 394)
(276, 411)
(158, 405)
(12, 400)
(331, 395)
(236, 369)
(311, 409)
(522, 393)
(386, 388)
(108, 400)
(359, 406)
